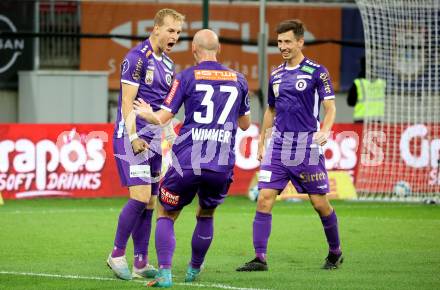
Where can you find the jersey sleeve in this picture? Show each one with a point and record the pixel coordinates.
(270, 94)
(175, 97)
(132, 69)
(324, 84)
(245, 108)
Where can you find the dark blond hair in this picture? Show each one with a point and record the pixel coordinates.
(295, 25)
(162, 13)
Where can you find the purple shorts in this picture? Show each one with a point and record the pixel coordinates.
(140, 169)
(177, 191)
(307, 177)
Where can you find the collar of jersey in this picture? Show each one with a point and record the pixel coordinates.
(291, 67)
(158, 58)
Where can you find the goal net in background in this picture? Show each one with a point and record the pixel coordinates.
(401, 152)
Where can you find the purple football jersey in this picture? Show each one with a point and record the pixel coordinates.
(214, 97)
(297, 93)
(153, 75)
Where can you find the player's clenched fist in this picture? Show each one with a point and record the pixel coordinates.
(139, 145)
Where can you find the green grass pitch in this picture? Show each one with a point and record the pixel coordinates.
(63, 244)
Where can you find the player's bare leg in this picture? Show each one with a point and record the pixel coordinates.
(139, 198)
(201, 240)
(261, 230)
(330, 224)
(165, 246)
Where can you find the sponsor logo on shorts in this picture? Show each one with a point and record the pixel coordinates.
(312, 177)
(264, 176)
(168, 197)
(140, 171)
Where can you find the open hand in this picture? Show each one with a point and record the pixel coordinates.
(142, 109)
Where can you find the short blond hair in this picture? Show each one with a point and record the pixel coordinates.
(162, 13)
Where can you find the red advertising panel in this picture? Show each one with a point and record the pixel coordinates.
(237, 21)
(400, 153)
(77, 160)
(342, 152)
(57, 160)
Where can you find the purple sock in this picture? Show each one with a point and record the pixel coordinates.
(262, 228)
(330, 224)
(117, 252)
(127, 218)
(201, 240)
(139, 261)
(165, 242)
(141, 238)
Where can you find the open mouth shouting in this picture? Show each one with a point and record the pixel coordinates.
(169, 46)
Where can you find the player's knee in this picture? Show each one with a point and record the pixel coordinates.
(323, 209)
(264, 202)
(204, 212)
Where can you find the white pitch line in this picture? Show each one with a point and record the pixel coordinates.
(216, 285)
(57, 276)
(78, 277)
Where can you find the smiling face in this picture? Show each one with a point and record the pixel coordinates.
(290, 46)
(167, 34)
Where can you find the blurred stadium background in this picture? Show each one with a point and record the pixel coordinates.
(59, 81)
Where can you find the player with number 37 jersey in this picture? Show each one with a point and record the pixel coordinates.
(214, 97)
(216, 103)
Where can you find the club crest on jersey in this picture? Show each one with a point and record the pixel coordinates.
(149, 77)
(168, 79)
(301, 85)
